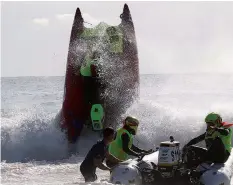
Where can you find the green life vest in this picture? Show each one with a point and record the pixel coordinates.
(115, 38)
(225, 139)
(96, 32)
(116, 147)
(111, 34)
(85, 69)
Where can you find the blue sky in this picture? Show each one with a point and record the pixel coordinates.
(173, 37)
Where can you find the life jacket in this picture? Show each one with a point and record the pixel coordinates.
(112, 34)
(116, 147)
(115, 38)
(210, 136)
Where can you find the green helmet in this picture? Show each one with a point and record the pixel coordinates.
(132, 123)
(132, 120)
(213, 118)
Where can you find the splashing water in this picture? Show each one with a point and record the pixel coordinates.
(34, 150)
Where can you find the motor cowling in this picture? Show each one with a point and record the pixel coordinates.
(169, 157)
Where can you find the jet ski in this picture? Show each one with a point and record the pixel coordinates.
(167, 165)
(117, 84)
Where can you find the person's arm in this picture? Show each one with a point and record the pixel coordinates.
(94, 71)
(125, 143)
(138, 150)
(223, 131)
(98, 157)
(98, 162)
(196, 140)
(112, 158)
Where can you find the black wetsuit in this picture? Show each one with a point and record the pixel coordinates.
(215, 151)
(91, 85)
(88, 168)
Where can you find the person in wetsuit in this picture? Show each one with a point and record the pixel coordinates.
(217, 138)
(89, 74)
(123, 145)
(96, 156)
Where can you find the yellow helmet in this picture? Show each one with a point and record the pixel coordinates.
(132, 123)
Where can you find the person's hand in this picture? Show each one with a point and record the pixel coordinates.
(147, 152)
(150, 151)
(213, 127)
(185, 148)
(111, 169)
(141, 154)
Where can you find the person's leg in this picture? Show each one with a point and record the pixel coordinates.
(195, 156)
(91, 90)
(87, 89)
(94, 88)
(87, 97)
(88, 176)
(198, 150)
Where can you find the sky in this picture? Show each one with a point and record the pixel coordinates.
(172, 37)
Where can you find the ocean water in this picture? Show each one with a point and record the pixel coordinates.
(34, 151)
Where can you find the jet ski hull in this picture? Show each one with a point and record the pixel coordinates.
(145, 171)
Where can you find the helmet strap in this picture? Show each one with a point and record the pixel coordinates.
(128, 128)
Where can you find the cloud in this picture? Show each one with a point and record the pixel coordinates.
(65, 17)
(41, 21)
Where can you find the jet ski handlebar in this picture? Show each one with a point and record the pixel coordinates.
(140, 157)
(144, 154)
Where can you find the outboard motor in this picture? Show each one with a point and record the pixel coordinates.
(169, 157)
